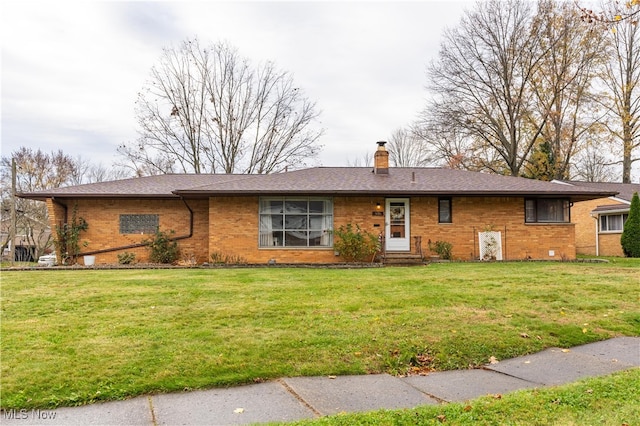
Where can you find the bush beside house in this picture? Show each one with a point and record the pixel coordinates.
(630, 239)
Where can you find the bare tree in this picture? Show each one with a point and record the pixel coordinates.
(622, 79)
(612, 14)
(408, 150)
(592, 165)
(36, 170)
(450, 147)
(366, 160)
(481, 82)
(208, 110)
(563, 88)
(85, 171)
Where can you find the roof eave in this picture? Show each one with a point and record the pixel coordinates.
(44, 196)
(573, 196)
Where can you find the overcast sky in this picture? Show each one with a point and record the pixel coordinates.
(71, 70)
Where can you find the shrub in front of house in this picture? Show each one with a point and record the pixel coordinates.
(163, 248)
(126, 258)
(442, 249)
(354, 244)
(630, 239)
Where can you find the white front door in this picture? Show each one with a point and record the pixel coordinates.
(397, 224)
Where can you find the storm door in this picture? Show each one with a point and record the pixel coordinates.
(397, 224)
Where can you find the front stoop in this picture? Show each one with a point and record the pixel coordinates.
(402, 259)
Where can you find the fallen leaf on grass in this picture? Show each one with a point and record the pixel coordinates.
(441, 418)
(497, 396)
(468, 408)
(423, 359)
(419, 371)
(493, 360)
(524, 335)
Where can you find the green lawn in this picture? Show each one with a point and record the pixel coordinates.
(75, 337)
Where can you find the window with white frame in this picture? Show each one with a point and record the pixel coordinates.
(613, 222)
(296, 222)
(547, 210)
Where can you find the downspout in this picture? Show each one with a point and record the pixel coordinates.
(137, 245)
(504, 251)
(597, 236)
(184, 237)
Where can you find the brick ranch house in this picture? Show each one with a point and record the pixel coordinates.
(599, 223)
(288, 217)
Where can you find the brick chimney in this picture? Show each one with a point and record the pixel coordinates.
(381, 159)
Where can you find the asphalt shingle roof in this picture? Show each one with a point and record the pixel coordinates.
(148, 186)
(331, 180)
(625, 190)
(399, 181)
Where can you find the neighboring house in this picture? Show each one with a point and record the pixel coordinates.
(599, 223)
(289, 217)
(32, 238)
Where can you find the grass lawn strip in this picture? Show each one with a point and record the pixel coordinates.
(76, 337)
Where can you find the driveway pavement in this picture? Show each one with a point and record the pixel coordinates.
(297, 398)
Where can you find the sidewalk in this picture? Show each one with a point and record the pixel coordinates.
(298, 398)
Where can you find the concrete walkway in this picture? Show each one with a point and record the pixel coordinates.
(298, 398)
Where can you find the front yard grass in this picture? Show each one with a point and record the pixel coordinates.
(76, 337)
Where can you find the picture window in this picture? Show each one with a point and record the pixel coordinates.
(296, 222)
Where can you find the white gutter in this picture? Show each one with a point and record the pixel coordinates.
(612, 211)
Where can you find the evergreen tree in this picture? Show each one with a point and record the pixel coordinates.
(630, 239)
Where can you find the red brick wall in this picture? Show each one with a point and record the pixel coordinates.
(610, 244)
(239, 236)
(586, 228)
(57, 217)
(586, 225)
(103, 219)
(472, 215)
(229, 226)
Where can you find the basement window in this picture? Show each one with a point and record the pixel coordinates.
(139, 223)
(547, 210)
